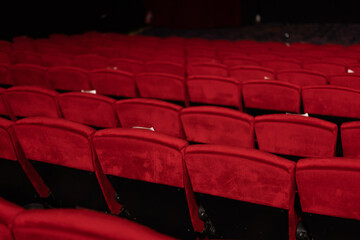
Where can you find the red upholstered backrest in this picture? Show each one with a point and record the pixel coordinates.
(165, 67)
(8, 212)
(162, 86)
(218, 125)
(245, 73)
(113, 82)
(350, 139)
(196, 59)
(127, 64)
(271, 95)
(326, 68)
(341, 60)
(89, 109)
(56, 59)
(26, 57)
(345, 80)
(141, 155)
(5, 46)
(31, 101)
(329, 186)
(331, 101)
(68, 78)
(302, 77)
(4, 58)
(3, 107)
(164, 117)
(5, 75)
(78, 224)
(208, 69)
(234, 61)
(7, 150)
(281, 64)
(173, 55)
(27, 74)
(56, 141)
(90, 62)
(296, 135)
(214, 90)
(242, 174)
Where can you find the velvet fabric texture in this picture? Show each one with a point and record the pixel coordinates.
(90, 62)
(197, 59)
(302, 77)
(78, 224)
(350, 139)
(25, 57)
(208, 69)
(7, 150)
(208, 89)
(346, 80)
(328, 186)
(89, 109)
(5, 75)
(113, 82)
(161, 86)
(68, 78)
(171, 54)
(31, 101)
(164, 117)
(216, 125)
(325, 68)
(165, 67)
(3, 108)
(271, 95)
(27, 74)
(55, 60)
(281, 64)
(245, 73)
(8, 212)
(296, 135)
(342, 60)
(331, 101)
(235, 60)
(127, 64)
(243, 174)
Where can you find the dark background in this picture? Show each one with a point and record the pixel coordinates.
(39, 19)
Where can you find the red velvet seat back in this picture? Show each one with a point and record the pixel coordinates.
(56, 141)
(113, 82)
(165, 67)
(245, 73)
(3, 107)
(217, 125)
(326, 67)
(78, 224)
(5, 75)
(28, 101)
(234, 61)
(5, 58)
(141, 155)
(26, 57)
(271, 95)
(90, 62)
(277, 65)
(161, 86)
(350, 139)
(7, 150)
(214, 90)
(302, 77)
(5, 46)
(68, 78)
(8, 212)
(164, 117)
(89, 109)
(296, 135)
(208, 69)
(31, 75)
(56, 59)
(127, 64)
(328, 186)
(331, 101)
(345, 80)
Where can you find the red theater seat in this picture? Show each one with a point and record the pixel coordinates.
(295, 135)
(330, 100)
(350, 139)
(62, 153)
(271, 95)
(27, 74)
(162, 116)
(345, 80)
(215, 125)
(113, 83)
(302, 77)
(8, 212)
(165, 67)
(68, 78)
(147, 171)
(29, 101)
(80, 224)
(202, 60)
(206, 89)
(162, 86)
(281, 64)
(245, 73)
(89, 109)
(5, 46)
(328, 197)
(90, 62)
(235, 60)
(3, 107)
(166, 55)
(26, 57)
(341, 60)
(4, 58)
(243, 193)
(56, 59)
(5, 75)
(127, 64)
(326, 68)
(208, 69)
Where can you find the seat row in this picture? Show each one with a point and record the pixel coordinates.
(16, 223)
(184, 191)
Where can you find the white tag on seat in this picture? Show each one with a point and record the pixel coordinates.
(304, 115)
(350, 71)
(88, 91)
(150, 129)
